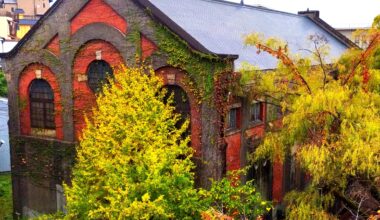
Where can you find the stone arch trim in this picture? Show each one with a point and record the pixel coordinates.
(178, 77)
(102, 31)
(84, 97)
(38, 71)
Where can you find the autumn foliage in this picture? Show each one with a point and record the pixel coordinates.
(331, 125)
(132, 162)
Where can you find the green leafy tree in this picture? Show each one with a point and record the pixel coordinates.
(331, 125)
(3, 85)
(131, 161)
(231, 197)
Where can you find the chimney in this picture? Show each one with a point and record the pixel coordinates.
(310, 13)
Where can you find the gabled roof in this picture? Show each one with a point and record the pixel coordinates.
(218, 27)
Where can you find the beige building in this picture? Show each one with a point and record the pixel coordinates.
(33, 7)
(18, 16)
(356, 35)
(6, 18)
(4, 27)
(8, 5)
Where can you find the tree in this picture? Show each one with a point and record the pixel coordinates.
(131, 161)
(3, 85)
(331, 125)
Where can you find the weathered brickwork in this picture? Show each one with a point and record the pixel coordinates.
(32, 72)
(91, 30)
(53, 46)
(98, 11)
(173, 76)
(84, 97)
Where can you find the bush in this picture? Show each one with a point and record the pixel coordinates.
(5, 196)
(132, 162)
(231, 197)
(3, 85)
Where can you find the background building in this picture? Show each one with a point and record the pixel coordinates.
(356, 35)
(18, 16)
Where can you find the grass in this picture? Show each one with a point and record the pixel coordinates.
(5, 196)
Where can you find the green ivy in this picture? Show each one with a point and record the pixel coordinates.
(38, 158)
(202, 68)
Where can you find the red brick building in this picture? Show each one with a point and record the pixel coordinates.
(56, 69)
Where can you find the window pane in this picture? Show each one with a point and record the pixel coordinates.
(232, 118)
(97, 73)
(273, 112)
(256, 115)
(41, 105)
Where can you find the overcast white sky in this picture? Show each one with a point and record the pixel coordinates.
(338, 13)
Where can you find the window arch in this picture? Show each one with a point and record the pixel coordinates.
(98, 71)
(181, 103)
(42, 113)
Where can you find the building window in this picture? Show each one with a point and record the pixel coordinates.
(233, 119)
(181, 103)
(274, 112)
(256, 112)
(42, 114)
(98, 72)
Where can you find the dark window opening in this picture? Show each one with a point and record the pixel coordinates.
(42, 114)
(260, 172)
(274, 112)
(181, 103)
(233, 119)
(98, 72)
(256, 112)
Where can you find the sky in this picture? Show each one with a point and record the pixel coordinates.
(337, 13)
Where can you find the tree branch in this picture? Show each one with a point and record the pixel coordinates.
(287, 62)
(374, 42)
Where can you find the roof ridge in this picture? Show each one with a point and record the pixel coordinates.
(261, 8)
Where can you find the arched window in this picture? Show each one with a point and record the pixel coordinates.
(42, 114)
(98, 71)
(181, 103)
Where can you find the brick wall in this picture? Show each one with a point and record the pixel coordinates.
(98, 11)
(27, 76)
(84, 97)
(173, 76)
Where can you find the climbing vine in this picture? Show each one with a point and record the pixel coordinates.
(41, 160)
(202, 68)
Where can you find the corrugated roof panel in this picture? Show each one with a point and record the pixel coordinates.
(221, 27)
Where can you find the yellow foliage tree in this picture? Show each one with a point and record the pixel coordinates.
(131, 161)
(331, 124)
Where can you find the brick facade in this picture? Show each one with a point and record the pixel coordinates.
(63, 53)
(84, 97)
(36, 71)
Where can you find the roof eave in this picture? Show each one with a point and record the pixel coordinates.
(340, 37)
(161, 17)
(158, 14)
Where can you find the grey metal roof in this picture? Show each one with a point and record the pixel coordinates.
(10, 1)
(221, 26)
